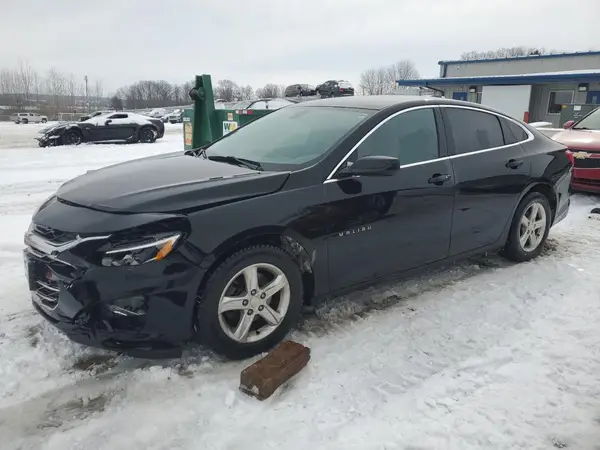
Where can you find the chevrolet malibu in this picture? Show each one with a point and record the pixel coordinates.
(223, 245)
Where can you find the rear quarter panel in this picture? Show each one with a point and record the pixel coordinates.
(550, 166)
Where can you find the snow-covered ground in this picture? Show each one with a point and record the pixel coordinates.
(483, 354)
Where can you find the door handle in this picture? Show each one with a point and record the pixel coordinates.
(514, 163)
(439, 178)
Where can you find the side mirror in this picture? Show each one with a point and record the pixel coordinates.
(568, 124)
(108, 122)
(373, 166)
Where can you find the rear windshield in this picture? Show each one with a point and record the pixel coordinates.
(345, 84)
(290, 138)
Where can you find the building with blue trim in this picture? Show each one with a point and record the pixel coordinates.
(532, 88)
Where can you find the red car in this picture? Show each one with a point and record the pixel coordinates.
(583, 140)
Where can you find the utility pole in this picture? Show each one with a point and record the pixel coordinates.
(87, 100)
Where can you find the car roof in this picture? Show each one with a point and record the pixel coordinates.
(381, 102)
(375, 102)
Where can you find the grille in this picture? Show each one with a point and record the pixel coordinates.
(589, 181)
(47, 292)
(587, 163)
(53, 235)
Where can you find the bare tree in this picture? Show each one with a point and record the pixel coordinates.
(269, 90)
(383, 80)
(71, 88)
(369, 82)
(56, 86)
(7, 82)
(506, 52)
(246, 92)
(116, 103)
(26, 74)
(187, 87)
(37, 86)
(177, 93)
(97, 92)
(227, 90)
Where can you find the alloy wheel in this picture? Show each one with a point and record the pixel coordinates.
(532, 227)
(254, 303)
(73, 138)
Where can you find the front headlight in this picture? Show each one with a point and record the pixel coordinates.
(154, 248)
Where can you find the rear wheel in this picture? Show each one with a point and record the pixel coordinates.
(147, 135)
(44, 120)
(529, 228)
(73, 137)
(250, 302)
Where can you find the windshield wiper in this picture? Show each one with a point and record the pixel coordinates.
(254, 165)
(196, 151)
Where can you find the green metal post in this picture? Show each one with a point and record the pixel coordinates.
(203, 131)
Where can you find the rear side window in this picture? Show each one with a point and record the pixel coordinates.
(471, 131)
(411, 137)
(513, 133)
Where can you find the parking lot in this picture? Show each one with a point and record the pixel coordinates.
(482, 354)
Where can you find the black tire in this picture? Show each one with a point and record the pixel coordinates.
(73, 137)
(209, 331)
(44, 120)
(147, 135)
(513, 250)
(25, 121)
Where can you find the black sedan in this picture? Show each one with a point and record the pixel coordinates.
(300, 90)
(115, 127)
(224, 245)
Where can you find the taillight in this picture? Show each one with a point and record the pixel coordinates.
(570, 156)
(341, 89)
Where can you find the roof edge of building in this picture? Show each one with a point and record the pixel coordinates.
(533, 78)
(519, 58)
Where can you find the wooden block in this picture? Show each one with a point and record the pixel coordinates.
(263, 377)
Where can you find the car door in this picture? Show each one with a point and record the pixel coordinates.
(491, 169)
(379, 225)
(118, 127)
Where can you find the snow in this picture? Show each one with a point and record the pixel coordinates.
(483, 354)
(118, 118)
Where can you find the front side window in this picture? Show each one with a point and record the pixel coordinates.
(589, 122)
(411, 137)
(558, 99)
(473, 130)
(291, 137)
(118, 116)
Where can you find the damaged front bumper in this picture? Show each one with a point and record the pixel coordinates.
(48, 140)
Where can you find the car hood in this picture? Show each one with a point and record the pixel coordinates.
(52, 128)
(172, 182)
(579, 139)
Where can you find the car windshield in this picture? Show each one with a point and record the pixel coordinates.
(591, 122)
(289, 138)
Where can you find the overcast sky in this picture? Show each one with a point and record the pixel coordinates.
(281, 41)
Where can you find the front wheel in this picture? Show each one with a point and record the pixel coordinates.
(529, 228)
(73, 138)
(250, 302)
(25, 121)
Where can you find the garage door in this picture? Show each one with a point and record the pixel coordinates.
(511, 100)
